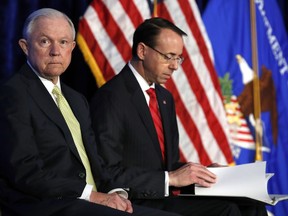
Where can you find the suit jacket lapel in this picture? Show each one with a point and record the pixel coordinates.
(45, 102)
(138, 100)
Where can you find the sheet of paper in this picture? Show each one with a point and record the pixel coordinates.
(247, 180)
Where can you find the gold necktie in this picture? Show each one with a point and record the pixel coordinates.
(75, 130)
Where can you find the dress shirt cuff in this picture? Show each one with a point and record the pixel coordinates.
(86, 192)
(166, 184)
(121, 192)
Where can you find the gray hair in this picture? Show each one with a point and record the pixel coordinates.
(44, 12)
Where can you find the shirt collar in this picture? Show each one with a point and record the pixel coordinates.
(47, 83)
(142, 82)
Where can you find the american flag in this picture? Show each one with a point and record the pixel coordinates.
(105, 38)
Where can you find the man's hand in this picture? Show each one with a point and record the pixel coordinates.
(191, 173)
(112, 200)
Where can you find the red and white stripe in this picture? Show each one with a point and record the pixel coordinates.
(239, 131)
(105, 38)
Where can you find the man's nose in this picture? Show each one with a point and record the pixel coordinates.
(55, 49)
(174, 64)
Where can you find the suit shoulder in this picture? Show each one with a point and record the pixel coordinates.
(111, 88)
(13, 85)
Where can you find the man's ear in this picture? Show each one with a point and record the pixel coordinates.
(24, 45)
(73, 45)
(141, 51)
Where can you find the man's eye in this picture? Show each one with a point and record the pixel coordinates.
(63, 42)
(45, 42)
(168, 57)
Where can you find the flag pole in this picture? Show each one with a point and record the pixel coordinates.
(256, 85)
(155, 14)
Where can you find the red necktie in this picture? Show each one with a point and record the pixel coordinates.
(153, 106)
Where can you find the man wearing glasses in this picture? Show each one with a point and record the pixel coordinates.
(134, 120)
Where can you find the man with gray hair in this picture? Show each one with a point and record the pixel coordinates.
(48, 160)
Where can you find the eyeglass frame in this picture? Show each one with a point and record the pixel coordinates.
(179, 59)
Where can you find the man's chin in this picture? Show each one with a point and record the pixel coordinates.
(163, 81)
(51, 74)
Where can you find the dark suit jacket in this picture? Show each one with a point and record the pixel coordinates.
(38, 158)
(127, 139)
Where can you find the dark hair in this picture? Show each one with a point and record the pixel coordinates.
(148, 31)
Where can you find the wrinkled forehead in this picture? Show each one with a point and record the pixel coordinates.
(52, 25)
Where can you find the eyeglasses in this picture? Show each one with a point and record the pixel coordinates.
(167, 58)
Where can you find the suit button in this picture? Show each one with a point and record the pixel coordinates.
(82, 175)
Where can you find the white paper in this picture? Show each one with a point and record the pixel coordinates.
(247, 180)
